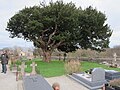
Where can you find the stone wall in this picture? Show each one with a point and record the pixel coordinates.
(109, 60)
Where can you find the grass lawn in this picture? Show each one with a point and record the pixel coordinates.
(56, 68)
(87, 65)
(52, 69)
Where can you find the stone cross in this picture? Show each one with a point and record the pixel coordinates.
(114, 55)
(114, 60)
(33, 68)
(22, 67)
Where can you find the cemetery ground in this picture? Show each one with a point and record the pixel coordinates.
(53, 72)
(56, 68)
(8, 80)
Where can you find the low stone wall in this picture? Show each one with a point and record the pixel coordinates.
(109, 60)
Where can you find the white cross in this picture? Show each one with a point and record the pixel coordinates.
(33, 68)
(115, 55)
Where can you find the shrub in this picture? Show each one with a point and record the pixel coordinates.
(115, 82)
(72, 66)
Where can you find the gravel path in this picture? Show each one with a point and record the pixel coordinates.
(66, 83)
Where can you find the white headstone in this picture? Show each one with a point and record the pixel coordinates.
(33, 65)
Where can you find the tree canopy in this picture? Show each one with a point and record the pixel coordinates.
(61, 26)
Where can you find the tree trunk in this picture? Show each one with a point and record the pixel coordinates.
(47, 56)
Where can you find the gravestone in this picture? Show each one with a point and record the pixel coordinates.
(33, 65)
(114, 60)
(22, 67)
(93, 81)
(98, 74)
(112, 74)
(35, 82)
(115, 55)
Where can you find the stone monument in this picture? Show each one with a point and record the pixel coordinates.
(33, 65)
(93, 81)
(36, 82)
(22, 67)
(114, 60)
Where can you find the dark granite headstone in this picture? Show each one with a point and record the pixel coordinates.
(111, 74)
(35, 82)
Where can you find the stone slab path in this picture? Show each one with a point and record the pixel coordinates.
(8, 80)
(66, 83)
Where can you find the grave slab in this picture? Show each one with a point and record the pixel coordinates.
(35, 82)
(111, 74)
(94, 81)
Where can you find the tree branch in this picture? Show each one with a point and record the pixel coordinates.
(52, 34)
(58, 44)
(52, 43)
(41, 41)
(44, 32)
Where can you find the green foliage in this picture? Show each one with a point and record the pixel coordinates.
(61, 25)
(29, 68)
(18, 62)
(94, 32)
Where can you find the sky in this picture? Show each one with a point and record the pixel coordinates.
(8, 8)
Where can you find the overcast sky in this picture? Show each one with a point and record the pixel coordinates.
(10, 7)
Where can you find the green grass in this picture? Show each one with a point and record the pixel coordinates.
(56, 68)
(29, 68)
(87, 65)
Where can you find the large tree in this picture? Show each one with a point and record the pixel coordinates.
(60, 26)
